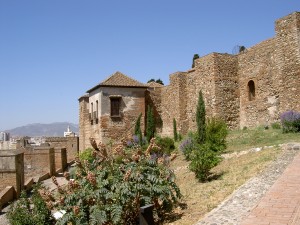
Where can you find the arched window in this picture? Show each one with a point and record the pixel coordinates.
(251, 90)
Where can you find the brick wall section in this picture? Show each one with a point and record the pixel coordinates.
(258, 64)
(288, 59)
(70, 143)
(153, 98)
(37, 162)
(7, 179)
(227, 99)
(216, 76)
(12, 170)
(84, 123)
(132, 104)
(61, 159)
(172, 102)
(201, 78)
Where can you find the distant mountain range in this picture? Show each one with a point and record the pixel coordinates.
(39, 129)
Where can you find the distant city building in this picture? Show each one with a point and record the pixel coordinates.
(7, 143)
(37, 141)
(4, 136)
(69, 133)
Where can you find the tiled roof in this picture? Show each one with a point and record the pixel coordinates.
(84, 96)
(118, 79)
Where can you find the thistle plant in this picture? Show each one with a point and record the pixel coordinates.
(111, 188)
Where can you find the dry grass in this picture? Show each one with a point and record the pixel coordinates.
(200, 198)
(230, 174)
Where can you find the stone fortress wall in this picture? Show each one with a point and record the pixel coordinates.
(70, 143)
(249, 89)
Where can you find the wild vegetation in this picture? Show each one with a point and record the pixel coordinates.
(150, 124)
(241, 164)
(204, 147)
(30, 211)
(290, 121)
(111, 184)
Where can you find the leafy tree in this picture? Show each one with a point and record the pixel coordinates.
(151, 80)
(203, 160)
(159, 81)
(175, 130)
(200, 118)
(150, 129)
(242, 48)
(196, 56)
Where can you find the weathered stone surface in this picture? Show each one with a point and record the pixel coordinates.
(248, 89)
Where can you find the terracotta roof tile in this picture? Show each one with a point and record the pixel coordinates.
(119, 79)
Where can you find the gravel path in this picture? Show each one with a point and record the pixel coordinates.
(3, 220)
(239, 204)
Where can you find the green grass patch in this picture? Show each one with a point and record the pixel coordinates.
(239, 140)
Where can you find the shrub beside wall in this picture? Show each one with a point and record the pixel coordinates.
(290, 121)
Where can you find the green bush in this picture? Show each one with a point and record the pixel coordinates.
(87, 154)
(207, 155)
(216, 133)
(166, 144)
(30, 211)
(203, 160)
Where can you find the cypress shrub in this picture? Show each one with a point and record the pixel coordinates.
(175, 130)
(200, 118)
(150, 130)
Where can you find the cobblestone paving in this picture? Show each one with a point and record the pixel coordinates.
(238, 205)
(281, 204)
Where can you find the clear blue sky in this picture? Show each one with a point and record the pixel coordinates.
(52, 51)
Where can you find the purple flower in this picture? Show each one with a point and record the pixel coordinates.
(290, 116)
(135, 139)
(154, 156)
(129, 143)
(290, 121)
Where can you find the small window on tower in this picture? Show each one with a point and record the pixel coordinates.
(115, 106)
(251, 90)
